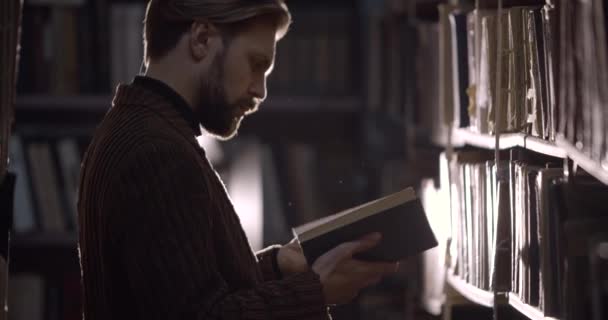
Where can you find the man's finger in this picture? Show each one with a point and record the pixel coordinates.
(367, 242)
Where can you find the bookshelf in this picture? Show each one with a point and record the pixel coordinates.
(317, 98)
(500, 211)
(45, 239)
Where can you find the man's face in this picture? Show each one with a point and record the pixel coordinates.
(235, 84)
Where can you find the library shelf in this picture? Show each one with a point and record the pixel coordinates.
(293, 118)
(75, 3)
(102, 103)
(463, 137)
(527, 310)
(47, 254)
(590, 165)
(45, 240)
(472, 293)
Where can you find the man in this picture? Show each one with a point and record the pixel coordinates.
(159, 237)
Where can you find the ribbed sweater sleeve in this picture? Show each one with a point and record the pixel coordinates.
(168, 252)
(267, 261)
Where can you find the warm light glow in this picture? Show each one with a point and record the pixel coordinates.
(436, 204)
(245, 188)
(212, 148)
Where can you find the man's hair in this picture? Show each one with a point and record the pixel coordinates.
(167, 20)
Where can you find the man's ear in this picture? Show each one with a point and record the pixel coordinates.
(201, 41)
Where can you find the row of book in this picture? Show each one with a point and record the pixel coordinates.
(480, 76)
(523, 228)
(73, 50)
(61, 51)
(317, 56)
(583, 82)
(65, 49)
(536, 202)
(31, 297)
(47, 181)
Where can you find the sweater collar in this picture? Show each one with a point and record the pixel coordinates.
(162, 99)
(171, 95)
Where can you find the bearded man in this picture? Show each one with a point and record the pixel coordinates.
(158, 235)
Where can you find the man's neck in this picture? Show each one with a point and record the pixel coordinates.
(176, 82)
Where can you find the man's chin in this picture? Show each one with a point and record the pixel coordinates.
(225, 134)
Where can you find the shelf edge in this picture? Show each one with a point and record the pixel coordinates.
(471, 292)
(527, 310)
(507, 141)
(590, 165)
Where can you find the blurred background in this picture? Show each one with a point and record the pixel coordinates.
(339, 128)
(367, 97)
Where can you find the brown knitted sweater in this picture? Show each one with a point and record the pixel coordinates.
(159, 237)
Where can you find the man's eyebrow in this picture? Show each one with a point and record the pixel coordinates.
(263, 59)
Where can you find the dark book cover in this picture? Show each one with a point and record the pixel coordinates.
(458, 24)
(404, 227)
(7, 188)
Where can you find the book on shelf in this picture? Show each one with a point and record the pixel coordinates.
(69, 164)
(24, 217)
(126, 41)
(47, 173)
(46, 186)
(583, 63)
(468, 72)
(460, 67)
(61, 52)
(317, 56)
(399, 217)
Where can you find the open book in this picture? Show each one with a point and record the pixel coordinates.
(399, 217)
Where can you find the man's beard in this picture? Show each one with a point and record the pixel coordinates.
(217, 116)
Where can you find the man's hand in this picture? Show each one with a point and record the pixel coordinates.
(291, 260)
(343, 277)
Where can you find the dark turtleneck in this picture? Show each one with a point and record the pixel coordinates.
(158, 235)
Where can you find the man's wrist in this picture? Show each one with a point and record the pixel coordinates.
(275, 263)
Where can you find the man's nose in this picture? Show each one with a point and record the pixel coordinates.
(258, 88)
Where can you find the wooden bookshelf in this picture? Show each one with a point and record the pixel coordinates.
(302, 119)
(527, 310)
(472, 293)
(48, 254)
(462, 137)
(101, 103)
(590, 165)
(45, 239)
(55, 2)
